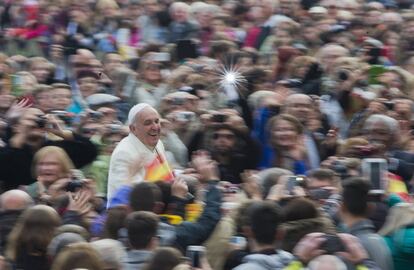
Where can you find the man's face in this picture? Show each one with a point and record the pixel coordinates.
(314, 183)
(147, 127)
(180, 15)
(224, 140)
(379, 134)
(41, 71)
(329, 56)
(88, 86)
(61, 98)
(44, 101)
(151, 7)
(112, 61)
(300, 106)
(153, 73)
(30, 119)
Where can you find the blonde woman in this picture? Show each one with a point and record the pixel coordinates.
(398, 232)
(50, 164)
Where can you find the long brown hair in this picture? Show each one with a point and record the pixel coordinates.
(33, 232)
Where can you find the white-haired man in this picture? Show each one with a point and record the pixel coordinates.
(181, 26)
(141, 155)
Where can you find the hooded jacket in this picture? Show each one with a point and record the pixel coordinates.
(136, 259)
(375, 245)
(401, 244)
(266, 262)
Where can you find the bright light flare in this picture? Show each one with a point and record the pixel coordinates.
(230, 78)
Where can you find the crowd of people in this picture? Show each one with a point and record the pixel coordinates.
(219, 134)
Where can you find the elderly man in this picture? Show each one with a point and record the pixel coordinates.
(141, 155)
(382, 132)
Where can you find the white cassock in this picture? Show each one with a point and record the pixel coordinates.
(130, 150)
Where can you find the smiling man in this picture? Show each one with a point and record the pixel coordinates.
(141, 155)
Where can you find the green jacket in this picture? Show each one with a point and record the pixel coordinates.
(401, 244)
(98, 171)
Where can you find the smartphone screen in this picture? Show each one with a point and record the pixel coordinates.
(375, 170)
(375, 175)
(291, 184)
(195, 253)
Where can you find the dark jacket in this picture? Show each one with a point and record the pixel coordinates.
(186, 233)
(195, 233)
(245, 157)
(31, 262)
(186, 30)
(7, 221)
(15, 163)
(404, 165)
(375, 245)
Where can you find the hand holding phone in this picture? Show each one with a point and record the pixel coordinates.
(332, 244)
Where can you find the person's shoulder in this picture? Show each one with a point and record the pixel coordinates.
(405, 155)
(261, 261)
(126, 144)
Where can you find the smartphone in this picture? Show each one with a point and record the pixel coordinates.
(332, 244)
(238, 241)
(195, 253)
(375, 170)
(77, 181)
(292, 182)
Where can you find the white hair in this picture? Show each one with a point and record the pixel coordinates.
(177, 5)
(389, 122)
(330, 262)
(199, 6)
(111, 252)
(391, 17)
(331, 46)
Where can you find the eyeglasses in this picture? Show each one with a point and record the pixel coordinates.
(223, 135)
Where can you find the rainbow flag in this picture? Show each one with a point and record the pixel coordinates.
(396, 185)
(158, 170)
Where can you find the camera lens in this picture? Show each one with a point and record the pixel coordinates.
(41, 121)
(343, 75)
